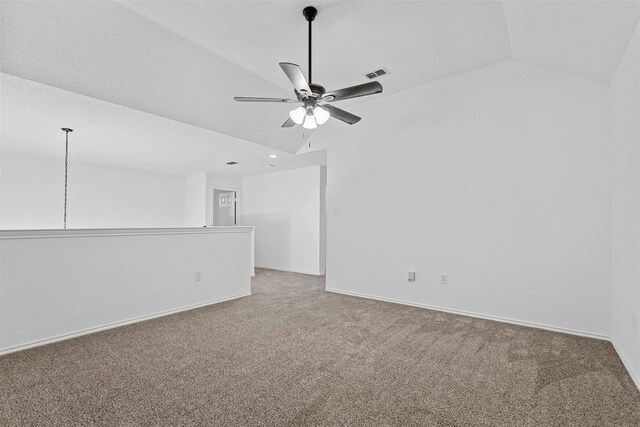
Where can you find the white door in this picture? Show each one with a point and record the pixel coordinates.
(225, 208)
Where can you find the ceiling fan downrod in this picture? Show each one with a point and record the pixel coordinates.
(310, 14)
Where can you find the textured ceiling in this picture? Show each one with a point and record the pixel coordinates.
(418, 41)
(577, 37)
(185, 60)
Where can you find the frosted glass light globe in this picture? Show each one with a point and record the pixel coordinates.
(321, 115)
(298, 114)
(309, 122)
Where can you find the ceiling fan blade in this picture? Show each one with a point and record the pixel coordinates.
(294, 73)
(289, 123)
(353, 91)
(340, 114)
(254, 99)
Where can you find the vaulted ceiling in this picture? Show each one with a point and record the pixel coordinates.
(112, 135)
(186, 60)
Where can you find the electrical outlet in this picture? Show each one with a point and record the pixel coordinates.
(336, 211)
(198, 276)
(634, 321)
(444, 279)
(412, 276)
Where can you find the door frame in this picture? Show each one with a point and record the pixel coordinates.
(212, 202)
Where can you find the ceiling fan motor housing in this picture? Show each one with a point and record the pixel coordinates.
(317, 92)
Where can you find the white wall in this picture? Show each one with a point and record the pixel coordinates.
(195, 200)
(499, 178)
(56, 284)
(625, 224)
(287, 210)
(323, 219)
(32, 191)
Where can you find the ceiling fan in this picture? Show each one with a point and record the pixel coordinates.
(316, 101)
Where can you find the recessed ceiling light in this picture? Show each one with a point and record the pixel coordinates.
(273, 156)
(232, 163)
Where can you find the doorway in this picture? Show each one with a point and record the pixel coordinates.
(225, 207)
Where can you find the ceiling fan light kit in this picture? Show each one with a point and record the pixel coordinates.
(316, 108)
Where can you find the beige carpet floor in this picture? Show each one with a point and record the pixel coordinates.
(292, 354)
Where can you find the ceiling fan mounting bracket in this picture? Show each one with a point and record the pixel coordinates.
(301, 96)
(310, 13)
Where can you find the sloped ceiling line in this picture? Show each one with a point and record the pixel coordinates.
(506, 27)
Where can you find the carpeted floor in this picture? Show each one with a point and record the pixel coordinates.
(292, 354)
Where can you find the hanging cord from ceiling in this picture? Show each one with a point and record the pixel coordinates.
(66, 172)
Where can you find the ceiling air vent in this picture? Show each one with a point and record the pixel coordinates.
(378, 73)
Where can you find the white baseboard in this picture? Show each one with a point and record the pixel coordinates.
(92, 330)
(288, 270)
(632, 373)
(477, 315)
